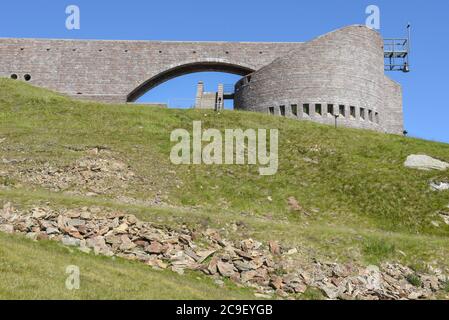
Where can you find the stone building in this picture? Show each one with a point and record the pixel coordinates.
(338, 74)
(209, 100)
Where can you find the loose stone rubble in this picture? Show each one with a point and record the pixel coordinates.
(99, 172)
(266, 268)
(89, 175)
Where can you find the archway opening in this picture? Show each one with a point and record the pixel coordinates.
(181, 92)
(184, 83)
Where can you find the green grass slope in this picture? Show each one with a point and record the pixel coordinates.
(363, 204)
(37, 270)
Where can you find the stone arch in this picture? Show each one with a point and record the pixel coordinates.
(186, 68)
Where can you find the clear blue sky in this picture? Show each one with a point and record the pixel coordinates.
(426, 101)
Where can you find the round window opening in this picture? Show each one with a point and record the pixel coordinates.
(27, 77)
(14, 76)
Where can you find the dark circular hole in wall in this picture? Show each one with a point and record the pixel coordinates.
(27, 77)
(14, 76)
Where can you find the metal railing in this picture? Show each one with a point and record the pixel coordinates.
(228, 89)
(397, 53)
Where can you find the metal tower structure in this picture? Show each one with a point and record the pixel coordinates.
(397, 53)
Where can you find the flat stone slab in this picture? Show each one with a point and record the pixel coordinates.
(424, 162)
(439, 186)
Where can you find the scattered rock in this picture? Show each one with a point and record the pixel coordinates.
(204, 255)
(445, 217)
(309, 160)
(248, 275)
(435, 224)
(330, 290)
(178, 270)
(126, 243)
(122, 228)
(424, 162)
(155, 248)
(75, 222)
(439, 186)
(275, 249)
(94, 174)
(41, 236)
(246, 262)
(52, 231)
(414, 295)
(276, 282)
(157, 263)
(7, 228)
(69, 241)
(38, 213)
(84, 249)
(31, 235)
(225, 269)
(262, 296)
(219, 282)
(7, 210)
(294, 204)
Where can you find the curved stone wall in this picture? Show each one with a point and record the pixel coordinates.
(340, 73)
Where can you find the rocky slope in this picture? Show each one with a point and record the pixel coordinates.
(265, 267)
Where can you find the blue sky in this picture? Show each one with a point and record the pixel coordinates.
(426, 106)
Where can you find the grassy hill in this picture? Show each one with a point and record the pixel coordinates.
(37, 270)
(362, 204)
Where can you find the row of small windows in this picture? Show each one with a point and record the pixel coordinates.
(26, 77)
(340, 110)
(75, 49)
(126, 50)
(260, 52)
